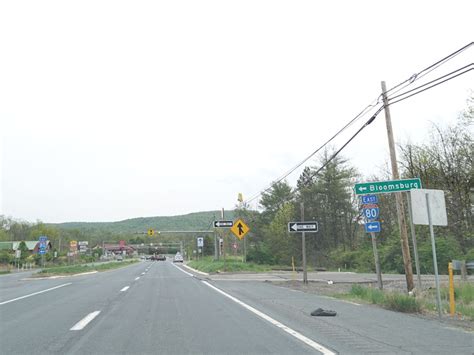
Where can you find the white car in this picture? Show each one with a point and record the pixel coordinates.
(178, 258)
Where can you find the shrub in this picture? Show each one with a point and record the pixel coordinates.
(401, 303)
(5, 257)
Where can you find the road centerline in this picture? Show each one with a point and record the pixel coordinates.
(137, 278)
(84, 321)
(35, 293)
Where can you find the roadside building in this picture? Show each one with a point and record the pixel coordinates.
(116, 249)
(31, 245)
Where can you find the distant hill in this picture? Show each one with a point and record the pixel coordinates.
(192, 221)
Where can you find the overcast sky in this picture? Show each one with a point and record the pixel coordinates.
(118, 109)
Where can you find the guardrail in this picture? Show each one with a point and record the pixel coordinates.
(463, 266)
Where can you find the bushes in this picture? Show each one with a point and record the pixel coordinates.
(260, 255)
(361, 260)
(5, 257)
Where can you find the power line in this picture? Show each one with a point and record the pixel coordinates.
(361, 114)
(350, 139)
(435, 82)
(400, 87)
(428, 69)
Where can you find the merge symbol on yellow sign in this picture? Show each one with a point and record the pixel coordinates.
(240, 229)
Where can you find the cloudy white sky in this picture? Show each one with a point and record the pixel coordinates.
(118, 109)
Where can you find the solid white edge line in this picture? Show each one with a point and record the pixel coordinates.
(276, 323)
(125, 289)
(84, 321)
(137, 278)
(35, 293)
(187, 273)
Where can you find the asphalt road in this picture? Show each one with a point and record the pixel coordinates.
(153, 307)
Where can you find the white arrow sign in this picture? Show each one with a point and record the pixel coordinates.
(303, 226)
(223, 224)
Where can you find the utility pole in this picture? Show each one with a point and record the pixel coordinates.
(398, 195)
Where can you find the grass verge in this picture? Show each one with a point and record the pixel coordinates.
(231, 265)
(4, 272)
(423, 302)
(78, 269)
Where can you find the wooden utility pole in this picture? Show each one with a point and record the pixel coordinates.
(398, 195)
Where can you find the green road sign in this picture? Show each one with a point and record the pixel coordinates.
(384, 187)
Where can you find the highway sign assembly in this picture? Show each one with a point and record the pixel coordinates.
(381, 187)
(372, 227)
(311, 226)
(223, 224)
(42, 244)
(240, 229)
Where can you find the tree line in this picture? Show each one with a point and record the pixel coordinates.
(444, 162)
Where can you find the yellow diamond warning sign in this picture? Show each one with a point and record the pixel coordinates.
(240, 229)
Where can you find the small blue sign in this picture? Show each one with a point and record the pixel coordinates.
(366, 199)
(42, 251)
(372, 227)
(371, 213)
(43, 238)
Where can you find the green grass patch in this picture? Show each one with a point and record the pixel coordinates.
(230, 265)
(402, 303)
(389, 300)
(368, 294)
(463, 296)
(4, 272)
(78, 269)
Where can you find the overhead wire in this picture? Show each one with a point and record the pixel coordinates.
(400, 87)
(358, 116)
(449, 76)
(428, 70)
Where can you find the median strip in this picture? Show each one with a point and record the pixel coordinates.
(35, 293)
(84, 321)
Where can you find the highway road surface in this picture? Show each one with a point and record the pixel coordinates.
(161, 308)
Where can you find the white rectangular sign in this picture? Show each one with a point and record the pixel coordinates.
(200, 242)
(437, 207)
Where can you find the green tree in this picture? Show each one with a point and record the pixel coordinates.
(328, 199)
(446, 163)
(280, 244)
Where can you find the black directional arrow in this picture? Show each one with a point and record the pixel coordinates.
(241, 230)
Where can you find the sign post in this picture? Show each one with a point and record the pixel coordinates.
(42, 248)
(415, 247)
(371, 212)
(431, 211)
(303, 248)
(303, 227)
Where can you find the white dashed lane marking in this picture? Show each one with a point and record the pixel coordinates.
(84, 321)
